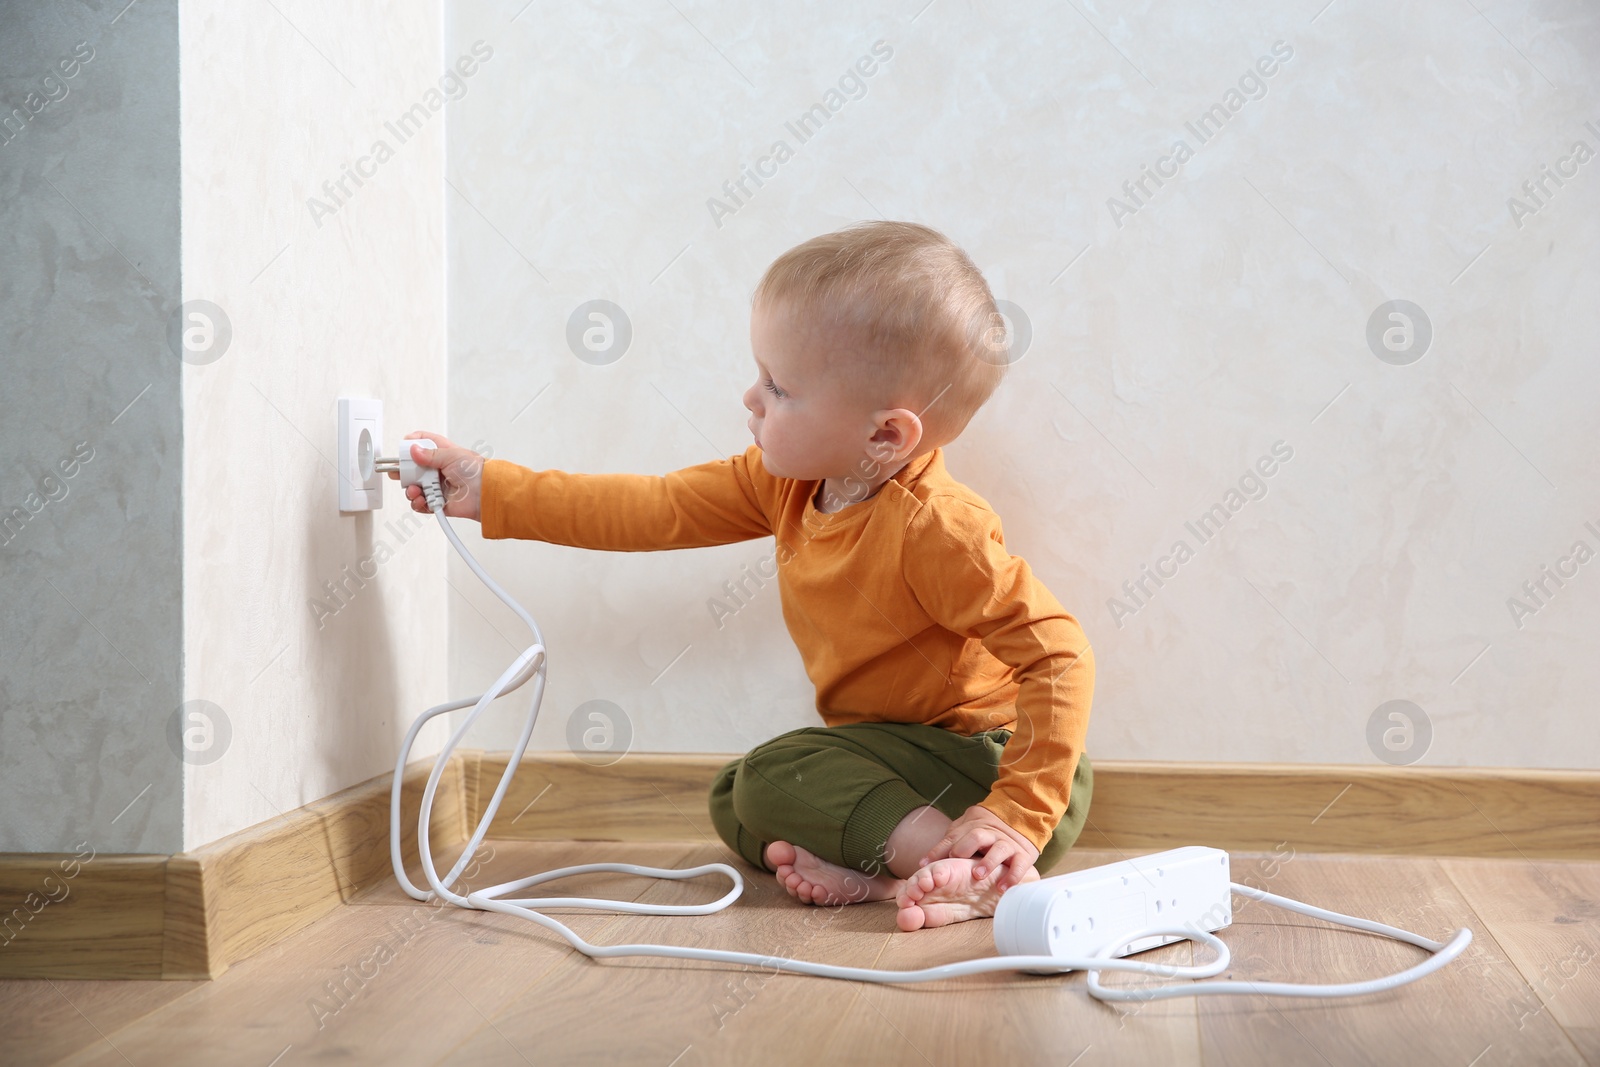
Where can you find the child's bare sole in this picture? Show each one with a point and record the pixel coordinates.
(816, 881)
(945, 892)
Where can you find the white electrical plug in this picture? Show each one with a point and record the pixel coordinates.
(413, 473)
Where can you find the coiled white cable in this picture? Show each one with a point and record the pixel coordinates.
(531, 663)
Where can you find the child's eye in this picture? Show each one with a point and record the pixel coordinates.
(775, 390)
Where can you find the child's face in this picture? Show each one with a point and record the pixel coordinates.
(807, 429)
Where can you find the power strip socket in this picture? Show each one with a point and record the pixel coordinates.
(1077, 914)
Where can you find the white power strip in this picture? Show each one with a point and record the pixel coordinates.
(1078, 914)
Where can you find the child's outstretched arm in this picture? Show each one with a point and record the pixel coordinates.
(713, 503)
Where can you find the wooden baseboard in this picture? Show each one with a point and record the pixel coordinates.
(558, 796)
(193, 914)
(1137, 805)
(1504, 813)
(81, 915)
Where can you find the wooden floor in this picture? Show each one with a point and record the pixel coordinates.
(474, 988)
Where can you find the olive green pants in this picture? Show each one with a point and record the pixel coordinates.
(838, 791)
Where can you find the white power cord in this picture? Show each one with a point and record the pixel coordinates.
(531, 663)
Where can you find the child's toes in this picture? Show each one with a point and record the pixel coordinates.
(781, 854)
(934, 876)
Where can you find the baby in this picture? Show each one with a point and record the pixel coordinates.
(955, 688)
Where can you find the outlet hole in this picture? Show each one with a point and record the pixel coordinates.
(1124, 879)
(1091, 922)
(1158, 904)
(1074, 927)
(364, 455)
(1056, 932)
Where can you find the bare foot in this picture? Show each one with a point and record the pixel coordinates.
(816, 881)
(944, 892)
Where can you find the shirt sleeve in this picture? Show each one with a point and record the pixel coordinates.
(957, 566)
(714, 503)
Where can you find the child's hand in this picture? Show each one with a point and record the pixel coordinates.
(981, 830)
(460, 476)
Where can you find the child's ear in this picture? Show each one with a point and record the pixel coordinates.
(899, 429)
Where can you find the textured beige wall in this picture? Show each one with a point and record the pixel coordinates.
(1176, 339)
(327, 294)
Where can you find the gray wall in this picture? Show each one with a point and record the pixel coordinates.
(90, 562)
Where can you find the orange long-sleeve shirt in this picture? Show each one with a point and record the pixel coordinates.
(906, 606)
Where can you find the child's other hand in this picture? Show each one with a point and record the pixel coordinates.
(460, 476)
(980, 830)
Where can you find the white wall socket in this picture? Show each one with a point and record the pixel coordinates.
(360, 443)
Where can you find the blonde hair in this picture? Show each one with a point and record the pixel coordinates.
(925, 325)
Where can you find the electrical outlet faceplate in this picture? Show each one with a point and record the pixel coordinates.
(360, 443)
